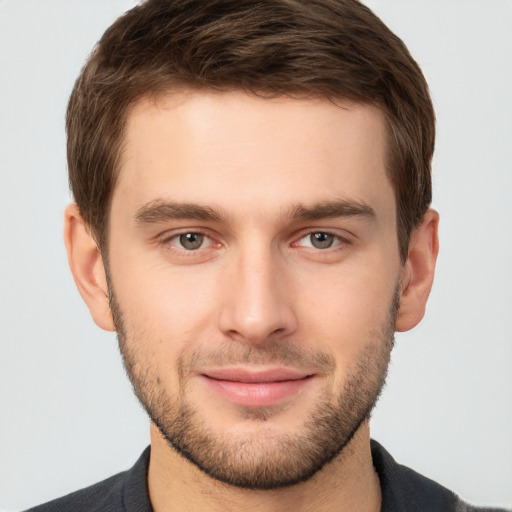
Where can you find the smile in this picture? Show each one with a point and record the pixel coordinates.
(256, 388)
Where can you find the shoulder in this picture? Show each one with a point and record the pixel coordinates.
(465, 507)
(105, 496)
(124, 492)
(403, 489)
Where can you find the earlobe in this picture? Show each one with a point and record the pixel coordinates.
(86, 264)
(418, 272)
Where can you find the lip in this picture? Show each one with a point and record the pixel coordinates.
(256, 387)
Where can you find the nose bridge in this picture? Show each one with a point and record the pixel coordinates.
(257, 304)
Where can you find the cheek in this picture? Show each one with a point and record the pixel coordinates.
(347, 308)
(352, 323)
(166, 310)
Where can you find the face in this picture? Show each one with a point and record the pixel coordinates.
(253, 273)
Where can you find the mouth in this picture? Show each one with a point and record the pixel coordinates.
(256, 387)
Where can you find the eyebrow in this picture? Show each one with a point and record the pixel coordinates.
(161, 211)
(333, 209)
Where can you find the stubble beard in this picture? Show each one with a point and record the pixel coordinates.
(267, 460)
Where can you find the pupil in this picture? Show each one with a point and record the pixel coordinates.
(191, 240)
(322, 240)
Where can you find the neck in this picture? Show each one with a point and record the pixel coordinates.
(349, 482)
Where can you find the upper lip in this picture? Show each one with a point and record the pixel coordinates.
(255, 375)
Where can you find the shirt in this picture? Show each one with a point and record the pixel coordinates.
(403, 490)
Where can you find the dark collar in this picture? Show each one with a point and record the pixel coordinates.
(403, 490)
(135, 489)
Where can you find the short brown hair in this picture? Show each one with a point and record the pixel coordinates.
(314, 48)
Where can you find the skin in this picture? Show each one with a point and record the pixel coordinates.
(257, 280)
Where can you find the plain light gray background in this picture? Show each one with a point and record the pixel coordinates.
(67, 415)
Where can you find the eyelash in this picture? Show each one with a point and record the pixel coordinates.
(337, 240)
(168, 241)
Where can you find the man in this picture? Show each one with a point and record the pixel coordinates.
(252, 187)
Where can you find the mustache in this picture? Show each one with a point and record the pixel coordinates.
(272, 352)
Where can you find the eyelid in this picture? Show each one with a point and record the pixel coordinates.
(341, 239)
(166, 239)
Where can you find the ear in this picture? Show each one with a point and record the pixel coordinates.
(418, 272)
(86, 265)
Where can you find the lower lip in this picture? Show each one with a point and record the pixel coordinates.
(257, 394)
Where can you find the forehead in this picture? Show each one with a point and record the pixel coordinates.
(233, 150)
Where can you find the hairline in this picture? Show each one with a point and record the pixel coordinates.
(154, 95)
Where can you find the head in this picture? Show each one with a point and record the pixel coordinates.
(327, 49)
(252, 182)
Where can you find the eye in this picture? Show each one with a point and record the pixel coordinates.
(190, 241)
(189, 247)
(320, 240)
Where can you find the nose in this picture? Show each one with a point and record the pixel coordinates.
(257, 302)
